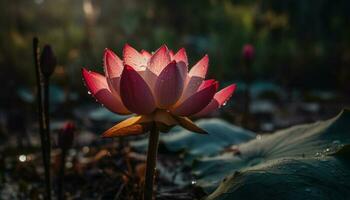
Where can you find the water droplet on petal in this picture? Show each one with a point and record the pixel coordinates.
(143, 67)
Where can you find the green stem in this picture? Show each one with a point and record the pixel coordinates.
(47, 133)
(151, 162)
(247, 98)
(60, 183)
(41, 118)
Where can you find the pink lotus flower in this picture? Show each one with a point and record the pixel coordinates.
(157, 87)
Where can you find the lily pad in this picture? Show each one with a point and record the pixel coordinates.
(285, 165)
(290, 178)
(221, 135)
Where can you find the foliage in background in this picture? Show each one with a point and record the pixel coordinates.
(305, 39)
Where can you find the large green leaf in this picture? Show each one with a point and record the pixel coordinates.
(290, 178)
(221, 135)
(288, 164)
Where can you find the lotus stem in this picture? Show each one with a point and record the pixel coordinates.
(47, 128)
(60, 185)
(44, 145)
(247, 98)
(151, 162)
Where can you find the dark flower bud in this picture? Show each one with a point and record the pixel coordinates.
(47, 61)
(66, 135)
(248, 52)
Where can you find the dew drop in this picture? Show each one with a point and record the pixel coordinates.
(89, 93)
(72, 152)
(69, 164)
(193, 182)
(86, 149)
(224, 104)
(22, 158)
(336, 145)
(336, 142)
(323, 159)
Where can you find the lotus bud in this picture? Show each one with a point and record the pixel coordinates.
(248, 52)
(47, 61)
(66, 135)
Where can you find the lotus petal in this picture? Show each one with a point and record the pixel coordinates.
(113, 67)
(220, 98)
(131, 126)
(169, 85)
(146, 54)
(197, 101)
(189, 125)
(171, 54)
(200, 69)
(135, 93)
(181, 56)
(133, 58)
(159, 60)
(98, 87)
(195, 78)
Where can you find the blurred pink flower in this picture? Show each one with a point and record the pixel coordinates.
(157, 87)
(66, 135)
(248, 52)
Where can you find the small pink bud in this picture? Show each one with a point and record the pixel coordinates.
(66, 135)
(248, 52)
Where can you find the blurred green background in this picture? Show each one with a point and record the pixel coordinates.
(300, 45)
